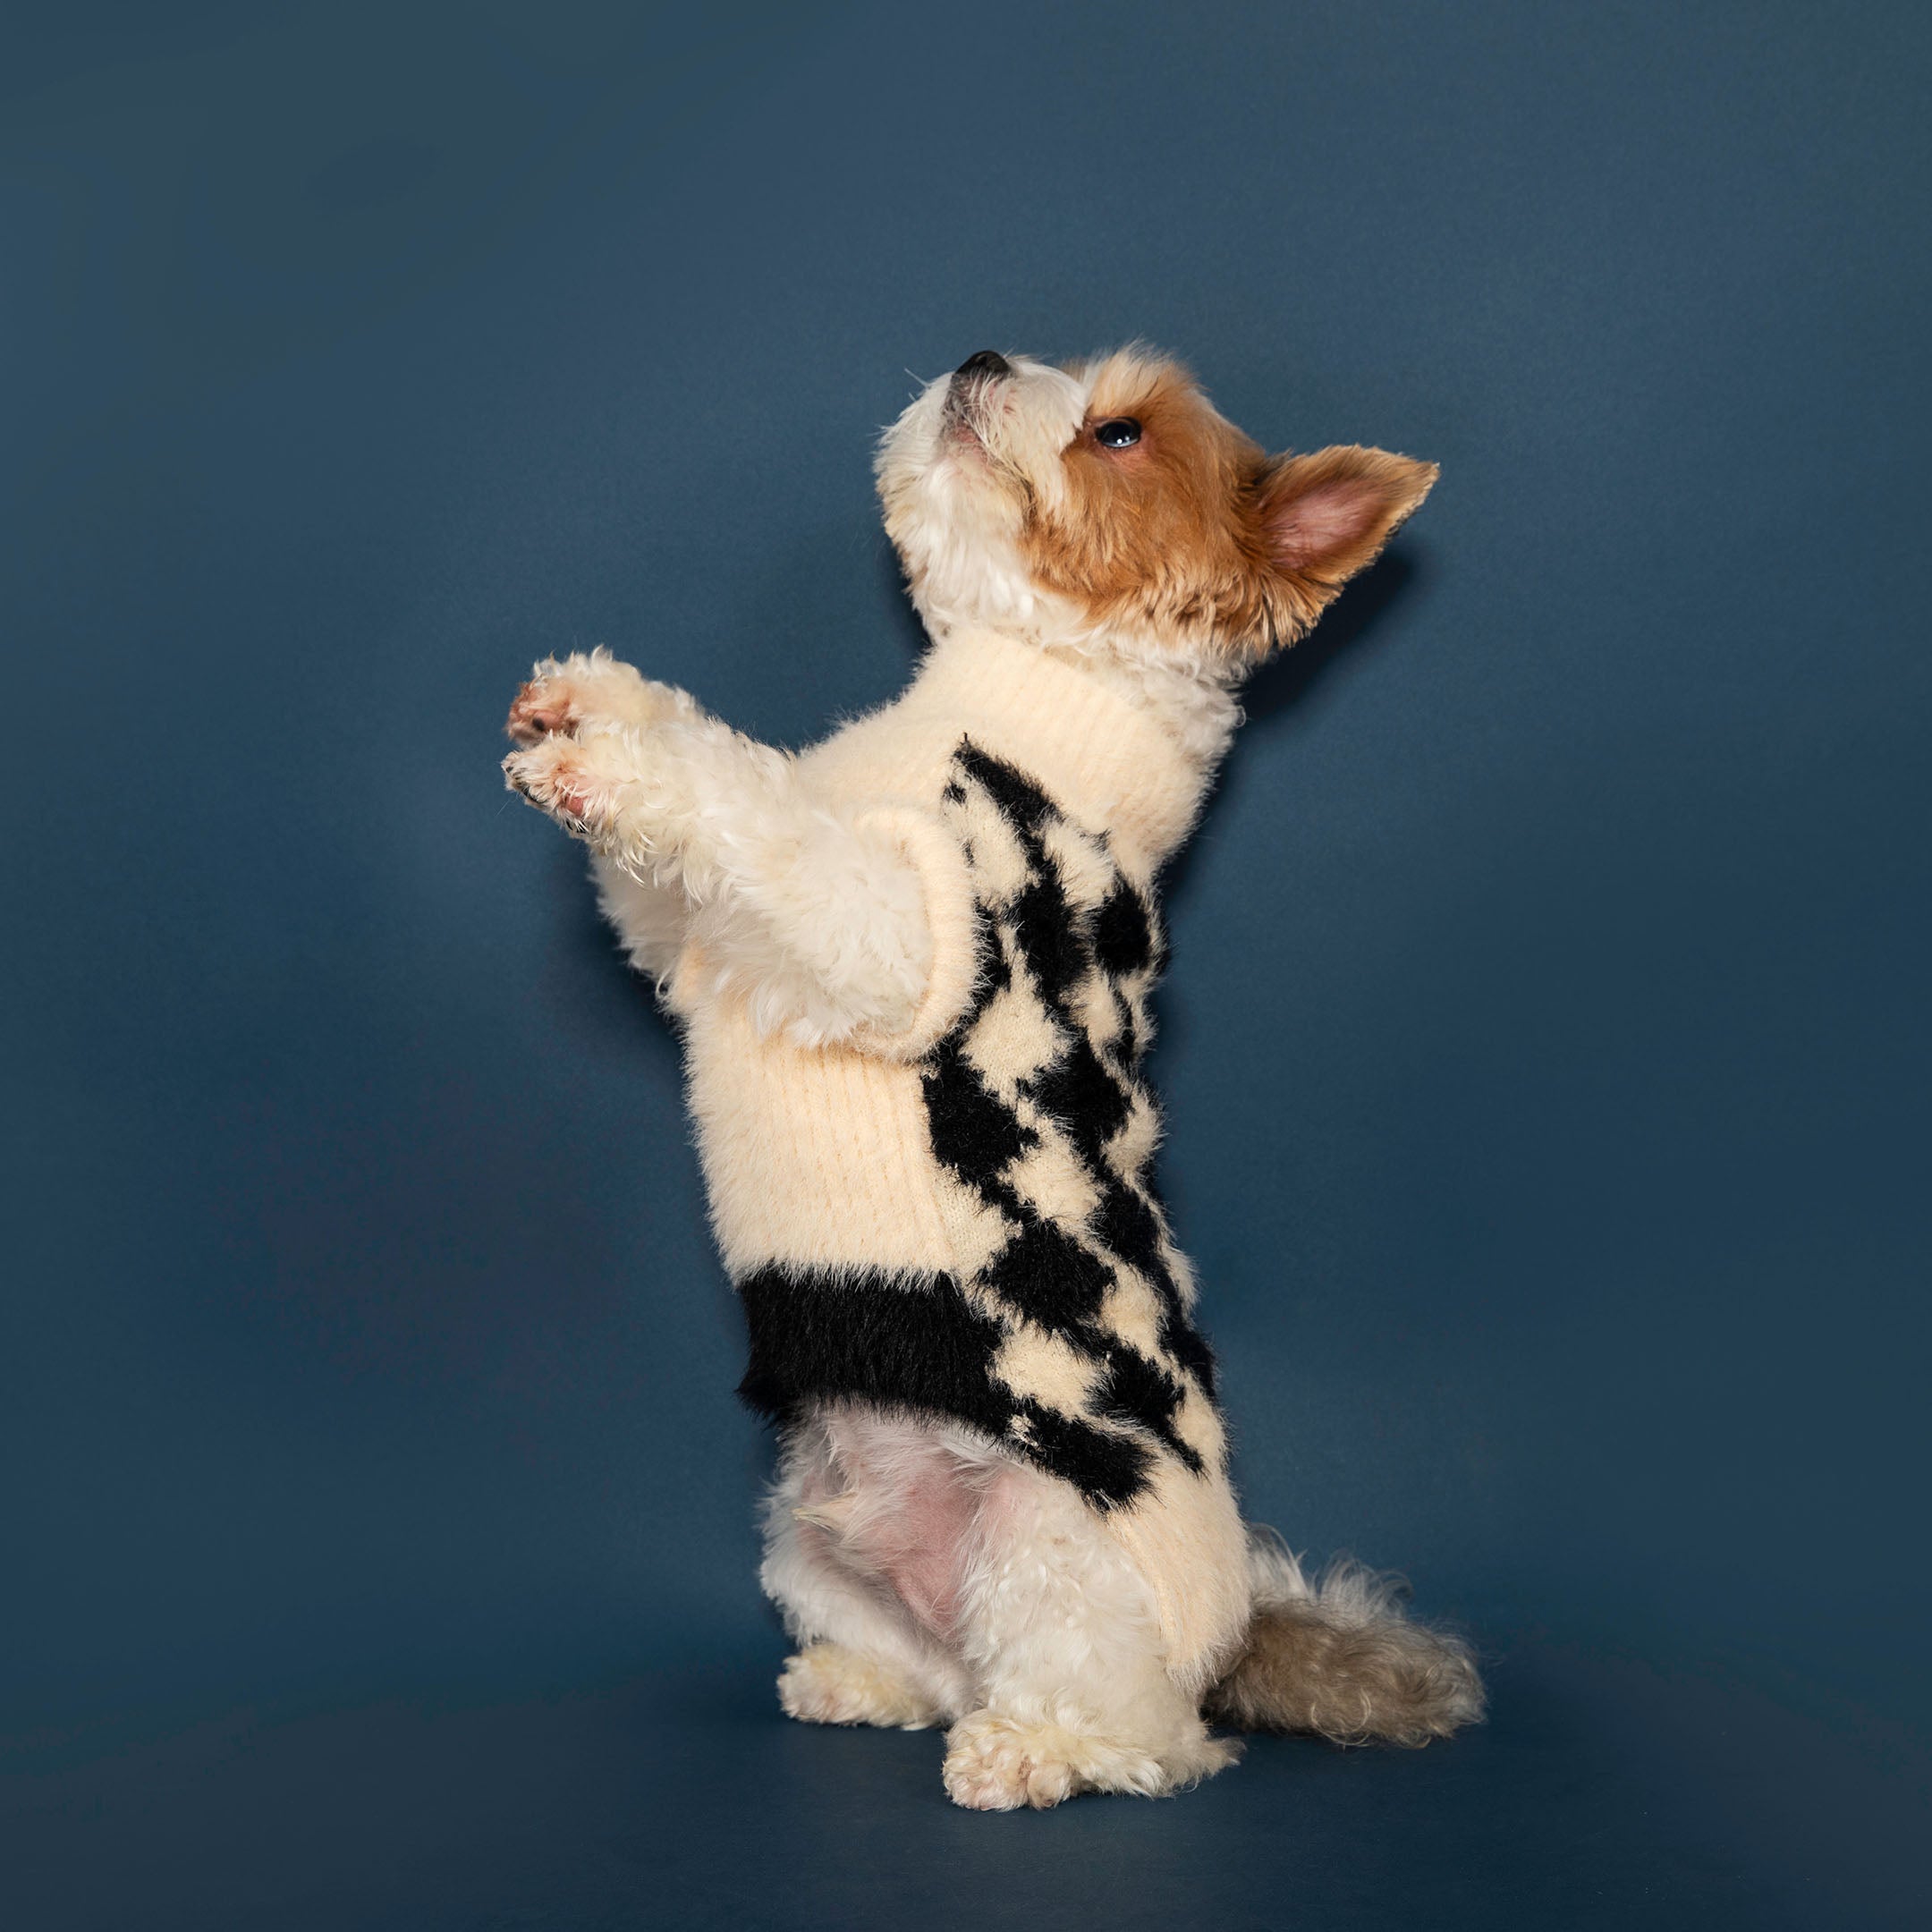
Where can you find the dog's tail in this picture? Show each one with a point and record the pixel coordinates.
(1339, 1658)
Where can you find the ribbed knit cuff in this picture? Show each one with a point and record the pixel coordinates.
(952, 919)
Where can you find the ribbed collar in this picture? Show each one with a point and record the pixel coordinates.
(1106, 760)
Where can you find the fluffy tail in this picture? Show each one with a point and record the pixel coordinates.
(1340, 1659)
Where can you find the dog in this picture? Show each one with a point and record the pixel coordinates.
(911, 967)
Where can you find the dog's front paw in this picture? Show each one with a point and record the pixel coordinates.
(566, 777)
(543, 705)
(590, 685)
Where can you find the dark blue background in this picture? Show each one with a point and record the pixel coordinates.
(1546, 1048)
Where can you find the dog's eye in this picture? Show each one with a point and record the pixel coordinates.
(1120, 432)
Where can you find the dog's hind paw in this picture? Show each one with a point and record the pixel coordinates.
(998, 1764)
(826, 1683)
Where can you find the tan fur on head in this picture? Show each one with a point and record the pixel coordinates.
(1010, 509)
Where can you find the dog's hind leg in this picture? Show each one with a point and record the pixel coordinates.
(866, 1656)
(1063, 1634)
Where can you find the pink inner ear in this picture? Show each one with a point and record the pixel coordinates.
(1328, 518)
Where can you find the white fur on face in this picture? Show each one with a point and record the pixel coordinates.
(957, 473)
(955, 504)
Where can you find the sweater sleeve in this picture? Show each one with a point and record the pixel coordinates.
(953, 920)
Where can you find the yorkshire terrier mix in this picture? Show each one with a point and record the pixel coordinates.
(913, 968)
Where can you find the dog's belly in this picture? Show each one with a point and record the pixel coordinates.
(938, 1520)
(899, 1500)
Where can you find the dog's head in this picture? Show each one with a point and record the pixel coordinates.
(1109, 498)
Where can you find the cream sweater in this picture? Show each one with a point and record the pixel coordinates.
(958, 1220)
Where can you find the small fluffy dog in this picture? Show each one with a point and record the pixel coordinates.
(912, 967)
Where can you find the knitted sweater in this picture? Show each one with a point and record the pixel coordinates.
(960, 1220)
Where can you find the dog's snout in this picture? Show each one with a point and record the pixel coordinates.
(985, 362)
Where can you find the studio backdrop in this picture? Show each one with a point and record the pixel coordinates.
(1545, 1048)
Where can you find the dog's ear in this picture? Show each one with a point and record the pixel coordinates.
(1326, 515)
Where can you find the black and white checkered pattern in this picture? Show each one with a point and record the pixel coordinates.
(1067, 1331)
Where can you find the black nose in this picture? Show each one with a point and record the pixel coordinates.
(988, 362)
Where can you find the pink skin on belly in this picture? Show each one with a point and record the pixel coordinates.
(910, 1514)
(923, 1551)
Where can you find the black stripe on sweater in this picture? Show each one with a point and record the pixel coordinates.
(922, 1347)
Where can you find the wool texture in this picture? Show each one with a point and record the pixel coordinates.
(959, 1221)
